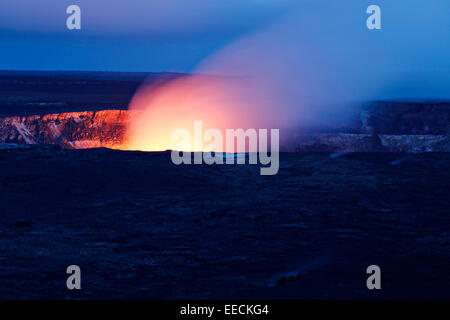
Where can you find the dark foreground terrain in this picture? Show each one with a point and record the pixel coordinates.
(141, 227)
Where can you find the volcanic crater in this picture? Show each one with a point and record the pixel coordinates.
(76, 111)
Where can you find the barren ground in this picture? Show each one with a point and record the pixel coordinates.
(141, 227)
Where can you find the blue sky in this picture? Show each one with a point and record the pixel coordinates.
(131, 35)
(316, 45)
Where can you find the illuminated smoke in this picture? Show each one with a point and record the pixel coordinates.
(310, 69)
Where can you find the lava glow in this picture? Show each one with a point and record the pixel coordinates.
(220, 103)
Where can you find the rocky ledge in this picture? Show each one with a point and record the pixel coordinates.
(72, 130)
(411, 127)
(382, 126)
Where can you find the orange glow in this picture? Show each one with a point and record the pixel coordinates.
(159, 111)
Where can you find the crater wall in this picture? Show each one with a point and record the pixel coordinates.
(378, 127)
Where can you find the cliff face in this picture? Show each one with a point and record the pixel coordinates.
(379, 127)
(405, 118)
(73, 130)
(383, 126)
(354, 142)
